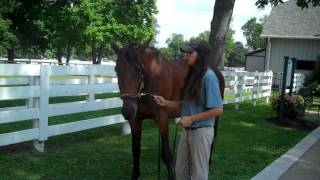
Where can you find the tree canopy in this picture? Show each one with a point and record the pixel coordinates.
(234, 52)
(85, 28)
(252, 30)
(45, 27)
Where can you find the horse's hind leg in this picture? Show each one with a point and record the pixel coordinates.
(136, 139)
(166, 154)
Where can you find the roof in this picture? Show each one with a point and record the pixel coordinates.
(255, 52)
(287, 20)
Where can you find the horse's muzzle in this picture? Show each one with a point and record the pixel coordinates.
(129, 109)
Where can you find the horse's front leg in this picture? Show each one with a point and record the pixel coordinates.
(162, 121)
(136, 139)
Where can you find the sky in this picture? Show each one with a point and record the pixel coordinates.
(191, 17)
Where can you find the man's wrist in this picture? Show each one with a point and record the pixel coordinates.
(191, 119)
(166, 103)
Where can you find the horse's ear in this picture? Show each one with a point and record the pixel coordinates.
(115, 47)
(143, 46)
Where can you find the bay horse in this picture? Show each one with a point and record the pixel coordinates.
(142, 72)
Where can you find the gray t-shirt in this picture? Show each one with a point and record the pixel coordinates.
(209, 98)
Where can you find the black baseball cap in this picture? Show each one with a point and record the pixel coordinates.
(196, 45)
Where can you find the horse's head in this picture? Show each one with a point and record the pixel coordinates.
(129, 69)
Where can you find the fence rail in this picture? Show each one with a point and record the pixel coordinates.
(37, 83)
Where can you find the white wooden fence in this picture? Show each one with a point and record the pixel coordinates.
(241, 86)
(36, 83)
(41, 87)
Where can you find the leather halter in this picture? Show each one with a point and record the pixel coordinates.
(140, 91)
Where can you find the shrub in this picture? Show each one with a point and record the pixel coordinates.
(294, 106)
(314, 87)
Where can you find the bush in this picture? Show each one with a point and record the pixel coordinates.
(294, 106)
(314, 88)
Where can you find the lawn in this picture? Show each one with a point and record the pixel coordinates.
(246, 144)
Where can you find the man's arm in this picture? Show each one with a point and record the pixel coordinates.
(186, 121)
(167, 103)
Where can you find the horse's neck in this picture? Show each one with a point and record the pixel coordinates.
(152, 73)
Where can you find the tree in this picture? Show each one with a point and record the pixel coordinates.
(24, 28)
(252, 31)
(105, 21)
(236, 58)
(63, 25)
(167, 52)
(6, 36)
(138, 29)
(174, 43)
(230, 46)
(46, 26)
(219, 29)
(202, 36)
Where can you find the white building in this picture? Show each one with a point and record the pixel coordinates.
(290, 31)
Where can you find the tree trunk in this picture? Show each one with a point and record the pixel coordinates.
(219, 28)
(94, 54)
(68, 54)
(11, 55)
(59, 55)
(99, 55)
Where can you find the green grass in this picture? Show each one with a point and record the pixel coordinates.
(230, 96)
(316, 100)
(246, 144)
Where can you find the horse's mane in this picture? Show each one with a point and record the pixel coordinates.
(155, 53)
(150, 50)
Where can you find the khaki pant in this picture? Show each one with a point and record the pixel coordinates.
(199, 142)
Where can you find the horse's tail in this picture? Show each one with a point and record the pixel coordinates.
(221, 80)
(215, 128)
(216, 122)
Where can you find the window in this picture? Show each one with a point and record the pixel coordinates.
(305, 65)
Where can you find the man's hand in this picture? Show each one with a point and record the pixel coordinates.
(160, 101)
(185, 121)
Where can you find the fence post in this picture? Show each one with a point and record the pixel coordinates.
(255, 92)
(91, 81)
(126, 128)
(243, 86)
(43, 104)
(34, 102)
(270, 76)
(237, 90)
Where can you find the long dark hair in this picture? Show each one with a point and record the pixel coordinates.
(196, 72)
